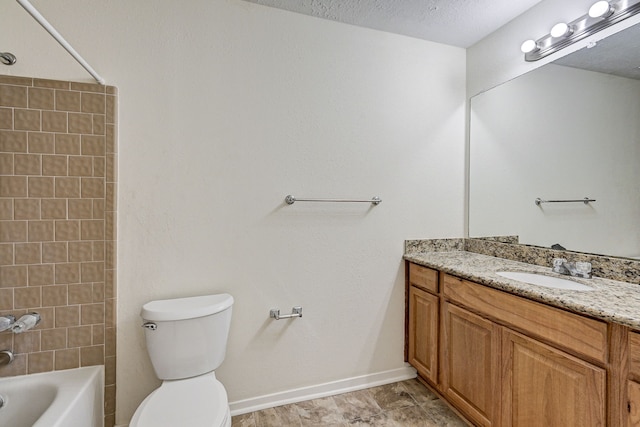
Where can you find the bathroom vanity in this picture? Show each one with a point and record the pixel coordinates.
(507, 353)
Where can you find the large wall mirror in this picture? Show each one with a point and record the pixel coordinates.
(565, 131)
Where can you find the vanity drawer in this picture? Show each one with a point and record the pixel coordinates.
(423, 277)
(634, 354)
(565, 330)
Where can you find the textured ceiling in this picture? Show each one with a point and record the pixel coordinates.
(454, 22)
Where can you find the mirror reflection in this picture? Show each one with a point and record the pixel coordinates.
(565, 131)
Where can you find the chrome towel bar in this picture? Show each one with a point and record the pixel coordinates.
(291, 200)
(295, 312)
(586, 201)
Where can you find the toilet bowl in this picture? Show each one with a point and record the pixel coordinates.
(186, 341)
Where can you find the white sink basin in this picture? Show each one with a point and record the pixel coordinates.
(546, 281)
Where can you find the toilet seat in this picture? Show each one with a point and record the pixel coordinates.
(195, 402)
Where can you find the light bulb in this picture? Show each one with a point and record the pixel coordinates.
(560, 30)
(529, 46)
(601, 9)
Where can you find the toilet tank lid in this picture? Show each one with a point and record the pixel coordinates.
(186, 308)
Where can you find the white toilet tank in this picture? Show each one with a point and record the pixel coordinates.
(187, 337)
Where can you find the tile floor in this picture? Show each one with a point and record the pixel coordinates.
(403, 404)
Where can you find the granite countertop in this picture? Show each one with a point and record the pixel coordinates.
(611, 300)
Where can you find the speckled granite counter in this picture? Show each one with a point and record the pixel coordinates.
(610, 300)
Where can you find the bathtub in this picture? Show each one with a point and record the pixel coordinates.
(70, 398)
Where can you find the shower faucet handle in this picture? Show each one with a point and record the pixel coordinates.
(6, 322)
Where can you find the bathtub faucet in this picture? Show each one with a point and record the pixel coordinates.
(6, 322)
(6, 357)
(25, 323)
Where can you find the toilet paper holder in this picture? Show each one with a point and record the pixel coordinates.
(295, 312)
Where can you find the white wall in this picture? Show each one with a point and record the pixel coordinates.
(574, 133)
(225, 108)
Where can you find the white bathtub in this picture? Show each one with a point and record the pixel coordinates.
(70, 398)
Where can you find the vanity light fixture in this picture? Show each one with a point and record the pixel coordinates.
(601, 15)
(561, 29)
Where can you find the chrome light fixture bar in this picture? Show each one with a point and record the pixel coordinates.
(601, 15)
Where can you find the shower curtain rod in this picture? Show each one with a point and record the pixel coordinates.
(56, 35)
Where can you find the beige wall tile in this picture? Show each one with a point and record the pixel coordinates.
(67, 187)
(40, 98)
(110, 313)
(81, 293)
(109, 341)
(109, 399)
(93, 103)
(41, 143)
(93, 145)
(98, 250)
(109, 370)
(53, 209)
(17, 367)
(68, 316)
(92, 188)
(28, 253)
(110, 288)
(111, 144)
(40, 231)
(13, 231)
(40, 275)
(88, 87)
(14, 276)
(67, 100)
(93, 355)
(26, 119)
(47, 320)
(13, 96)
(13, 141)
(80, 251)
(79, 336)
(98, 209)
(27, 342)
(40, 362)
(80, 123)
(41, 187)
(29, 297)
(97, 334)
(99, 166)
(111, 90)
(67, 359)
(80, 208)
(54, 295)
(111, 107)
(27, 164)
(67, 230)
(17, 81)
(98, 124)
(92, 229)
(92, 272)
(67, 273)
(98, 292)
(6, 163)
(67, 143)
(54, 121)
(6, 118)
(91, 314)
(13, 186)
(53, 252)
(6, 209)
(111, 167)
(54, 165)
(26, 208)
(54, 84)
(80, 166)
(54, 339)
(6, 254)
(6, 299)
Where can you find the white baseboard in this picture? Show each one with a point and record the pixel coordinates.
(321, 390)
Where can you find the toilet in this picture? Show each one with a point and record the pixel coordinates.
(186, 341)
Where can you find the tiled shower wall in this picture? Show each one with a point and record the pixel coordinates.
(58, 157)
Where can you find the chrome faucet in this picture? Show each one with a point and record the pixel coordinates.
(6, 322)
(574, 269)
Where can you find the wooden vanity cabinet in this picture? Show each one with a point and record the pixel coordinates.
(633, 381)
(423, 325)
(503, 360)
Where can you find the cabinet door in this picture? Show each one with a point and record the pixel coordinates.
(470, 364)
(633, 394)
(543, 386)
(423, 333)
